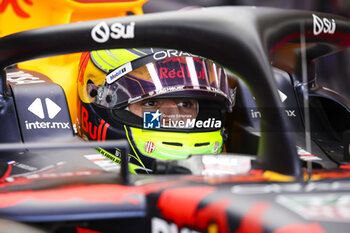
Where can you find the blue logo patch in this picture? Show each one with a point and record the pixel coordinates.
(151, 120)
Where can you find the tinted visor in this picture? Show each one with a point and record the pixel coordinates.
(128, 83)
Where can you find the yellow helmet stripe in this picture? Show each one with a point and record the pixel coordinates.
(108, 60)
(138, 158)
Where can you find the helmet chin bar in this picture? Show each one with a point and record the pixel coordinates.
(176, 145)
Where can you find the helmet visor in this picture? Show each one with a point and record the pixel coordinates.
(129, 83)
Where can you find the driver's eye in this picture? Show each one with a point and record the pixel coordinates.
(185, 104)
(150, 103)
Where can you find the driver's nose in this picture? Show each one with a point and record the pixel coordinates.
(169, 109)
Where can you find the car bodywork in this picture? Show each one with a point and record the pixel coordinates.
(52, 181)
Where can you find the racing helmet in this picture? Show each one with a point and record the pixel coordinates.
(168, 104)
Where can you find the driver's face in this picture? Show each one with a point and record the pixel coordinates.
(174, 109)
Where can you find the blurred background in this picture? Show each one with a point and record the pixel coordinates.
(332, 72)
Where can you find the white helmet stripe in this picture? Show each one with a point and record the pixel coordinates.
(193, 73)
(154, 76)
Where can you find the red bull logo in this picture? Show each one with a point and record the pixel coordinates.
(93, 131)
(179, 72)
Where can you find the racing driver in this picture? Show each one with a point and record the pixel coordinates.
(168, 104)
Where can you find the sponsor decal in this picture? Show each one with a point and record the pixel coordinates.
(151, 120)
(95, 132)
(292, 188)
(108, 155)
(216, 147)
(257, 114)
(118, 153)
(161, 226)
(170, 53)
(149, 147)
(333, 207)
(20, 78)
(102, 162)
(305, 155)
(282, 96)
(46, 125)
(36, 172)
(47, 172)
(114, 158)
(180, 72)
(24, 166)
(119, 72)
(37, 108)
(223, 165)
(290, 113)
(102, 32)
(323, 25)
(135, 98)
(167, 89)
(35, 176)
(216, 90)
(52, 109)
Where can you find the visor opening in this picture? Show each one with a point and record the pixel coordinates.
(172, 143)
(202, 144)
